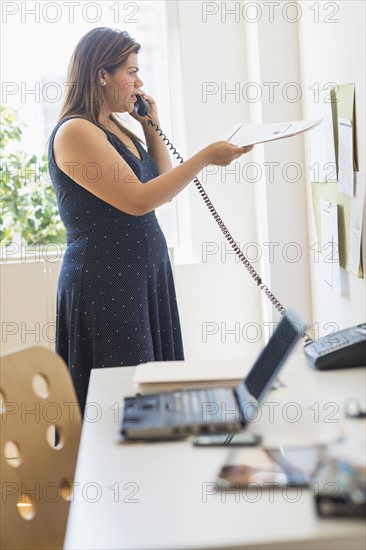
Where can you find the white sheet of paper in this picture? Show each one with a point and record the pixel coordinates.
(252, 134)
(345, 157)
(323, 165)
(355, 231)
(330, 254)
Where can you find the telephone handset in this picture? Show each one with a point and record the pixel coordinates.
(141, 106)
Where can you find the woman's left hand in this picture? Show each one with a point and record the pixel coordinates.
(153, 109)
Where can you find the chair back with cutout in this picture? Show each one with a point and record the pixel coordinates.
(40, 432)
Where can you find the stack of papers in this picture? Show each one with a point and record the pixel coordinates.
(177, 375)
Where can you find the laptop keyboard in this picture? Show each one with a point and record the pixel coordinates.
(197, 406)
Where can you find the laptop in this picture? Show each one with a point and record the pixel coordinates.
(177, 414)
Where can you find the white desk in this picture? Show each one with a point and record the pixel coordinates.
(155, 495)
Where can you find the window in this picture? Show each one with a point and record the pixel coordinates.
(39, 39)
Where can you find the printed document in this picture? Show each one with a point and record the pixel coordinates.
(252, 134)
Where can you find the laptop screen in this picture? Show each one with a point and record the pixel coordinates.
(270, 360)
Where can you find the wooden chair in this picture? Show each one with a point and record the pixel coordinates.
(40, 431)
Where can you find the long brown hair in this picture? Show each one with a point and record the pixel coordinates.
(100, 48)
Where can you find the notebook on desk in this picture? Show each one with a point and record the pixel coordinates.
(169, 415)
(176, 375)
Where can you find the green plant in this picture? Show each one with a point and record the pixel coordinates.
(29, 206)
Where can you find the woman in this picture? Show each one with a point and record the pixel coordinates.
(116, 302)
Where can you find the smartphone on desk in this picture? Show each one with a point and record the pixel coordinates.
(275, 467)
(343, 349)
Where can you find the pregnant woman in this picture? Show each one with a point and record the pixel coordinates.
(116, 302)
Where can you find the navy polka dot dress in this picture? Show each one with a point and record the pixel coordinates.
(116, 302)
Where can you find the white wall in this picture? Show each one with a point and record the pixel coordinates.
(224, 49)
(28, 301)
(237, 48)
(219, 291)
(335, 52)
(272, 46)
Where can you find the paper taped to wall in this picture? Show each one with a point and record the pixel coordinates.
(323, 165)
(345, 157)
(252, 134)
(355, 230)
(330, 248)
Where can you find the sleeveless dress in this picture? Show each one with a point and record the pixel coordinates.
(116, 301)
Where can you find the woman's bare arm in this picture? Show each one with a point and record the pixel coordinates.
(82, 151)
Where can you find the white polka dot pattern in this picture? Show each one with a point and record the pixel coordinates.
(116, 302)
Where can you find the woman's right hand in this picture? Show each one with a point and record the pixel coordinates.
(222, 153)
